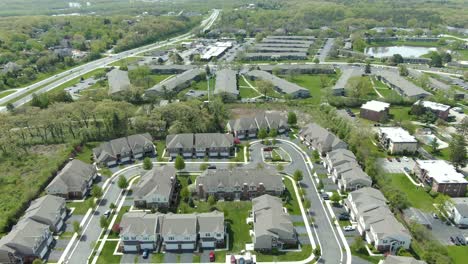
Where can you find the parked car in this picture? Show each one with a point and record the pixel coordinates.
(325, 196)
(233, 259)
(407, 170)
(435, 216)
(461, 239)
(212, 167)
(398, 159)
(349, 228)
(241, 261)
(107, 213)
(389, 159)
(453, 240)
(212, 256)
(145, 253)
(343, 216)
(405, 158)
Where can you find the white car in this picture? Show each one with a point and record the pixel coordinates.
(349, 228)
(405, 158)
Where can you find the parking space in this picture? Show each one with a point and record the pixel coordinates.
(395, 166)
(170, 257)
(57, 250)
(205, 257)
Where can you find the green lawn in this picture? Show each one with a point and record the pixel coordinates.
(314, 84)
(76, 80)
(107, 253)
(374, 260)
(285, 256)
(157, 258)
(5, 93)
(86, 152)
(125, 62)
(247, 92)
(122, 211)
(458, 254)
(160, 147)
(239, 154)
(80, 207)
(292, 205)
(417, 196)
(441, 154)
(400, 113)
(198, 86)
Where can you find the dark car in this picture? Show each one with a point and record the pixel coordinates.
(398, 159)
(461, 240)
(325, 196)
(145, 253)
(343, 217)
(454, 240)
(241, 261)
(389, 159)
(212, 167)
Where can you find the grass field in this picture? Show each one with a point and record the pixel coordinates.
(441, 154)
(86, 152)
(247, 92)
(458, 254)
(292, 205)
(417, 196)
(22, 177)
(314, 84)
(107, 253)
(76, 80)
(285, 256)
(400, 113)
(6, 93)
(125, 62)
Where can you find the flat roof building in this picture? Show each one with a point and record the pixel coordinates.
(226, 82)
(397, 140)
(118, 81)
(375, 110)
(441, 176)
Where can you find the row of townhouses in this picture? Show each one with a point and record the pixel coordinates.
(238, 183)
(32, 236)
(375, 221)
(200, 145)
(171, 232)
(124, 149)
(319, 138)
(248, 127)
(345, 170)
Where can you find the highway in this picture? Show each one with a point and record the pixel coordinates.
(63, 77)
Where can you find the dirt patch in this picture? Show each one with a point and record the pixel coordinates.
(47, 150)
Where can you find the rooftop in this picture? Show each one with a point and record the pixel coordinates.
(376, 106)
(398, 134)
(441, 171)
(434, 106)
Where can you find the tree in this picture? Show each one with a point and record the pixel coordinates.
(264, 87)
(10, 107)
(306, 204)
(76, 227)
(457, 151)
(37, 261)
(436, 59)
(316, 155)
(116, 228)
(112, 206)
(292, 118)
(358, 245)
(434, 145)
(122, 182)
(184, 194)
(96, 191)
(397, 58)
(397, 199)
(280, 167)
(103, 221)
(316, 61)
(262, 133)
(367, 69)
(203, 167)
(273, 133)
(147, 164)
(179, 163)
(211, 200)
(335, 198)
(298, 175)
(403, 70)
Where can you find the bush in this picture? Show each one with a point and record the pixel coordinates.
(147, 164)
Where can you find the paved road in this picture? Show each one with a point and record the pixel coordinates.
(63, 77)
(326, 49)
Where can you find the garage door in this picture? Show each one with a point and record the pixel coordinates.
(137, 156)
(172, 246)
(125, 159)
(130, 248)
(111, 163)
(208, 244)
(188, 246)
(43, 252)
(147, 246)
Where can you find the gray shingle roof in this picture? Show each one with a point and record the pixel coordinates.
(243, 123)
(278, 49)
(283, 45)
(276, 56)
(302, 68)
(180, 141)
(109, 151)
(24, 237)
(139, 223)
(179, 224)
(319, 135)
(213, 140)
(118, 81)
(462, 205)
(72, 177)
(409, 89)
(157, 181)
(211, 222)
(279, 83)
(45, 209)
(226, 81)
(170, 69)
(356, 174)
(240, 176)
(178, 82)
(345, 76)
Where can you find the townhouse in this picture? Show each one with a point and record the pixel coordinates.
(368, 207)
(156, 188)
(73, 181)
(27, 241)
(319, 138)
(401, 85)
(353, 179)
(458, 211)
(275, 56)
(397, 140)
(279, 84)
(375, 110)
(248, 127)
(272, 225)
(299, 68)
(441, 176)
(440, 110)
(48, 210)
(238, 183)
(341, 84)
(176, 83)
(200, 145)
(172, 232)
(124, 149)
(170, 69)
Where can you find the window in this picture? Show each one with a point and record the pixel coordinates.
(218, 234)
(170, 238)
(207, 234)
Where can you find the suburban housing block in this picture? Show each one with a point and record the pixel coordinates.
(171, 232)
(317, 137)
(440, 110)
(375, 110)
(248, 127)
(345, 170)
(226, 82)
(177, 83)
(441, 176)
(156, 188)
(273, 227)
(200, 145)
(238, 183)
(73, 181)
(280, 85)
(397, 140)
(124, 149)
(458, 211)
(368, 207)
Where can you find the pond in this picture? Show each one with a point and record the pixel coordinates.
(405, 51)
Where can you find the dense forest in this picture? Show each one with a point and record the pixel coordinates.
(300, 16)
(31, 47)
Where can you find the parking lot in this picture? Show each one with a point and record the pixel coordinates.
(395, 166)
